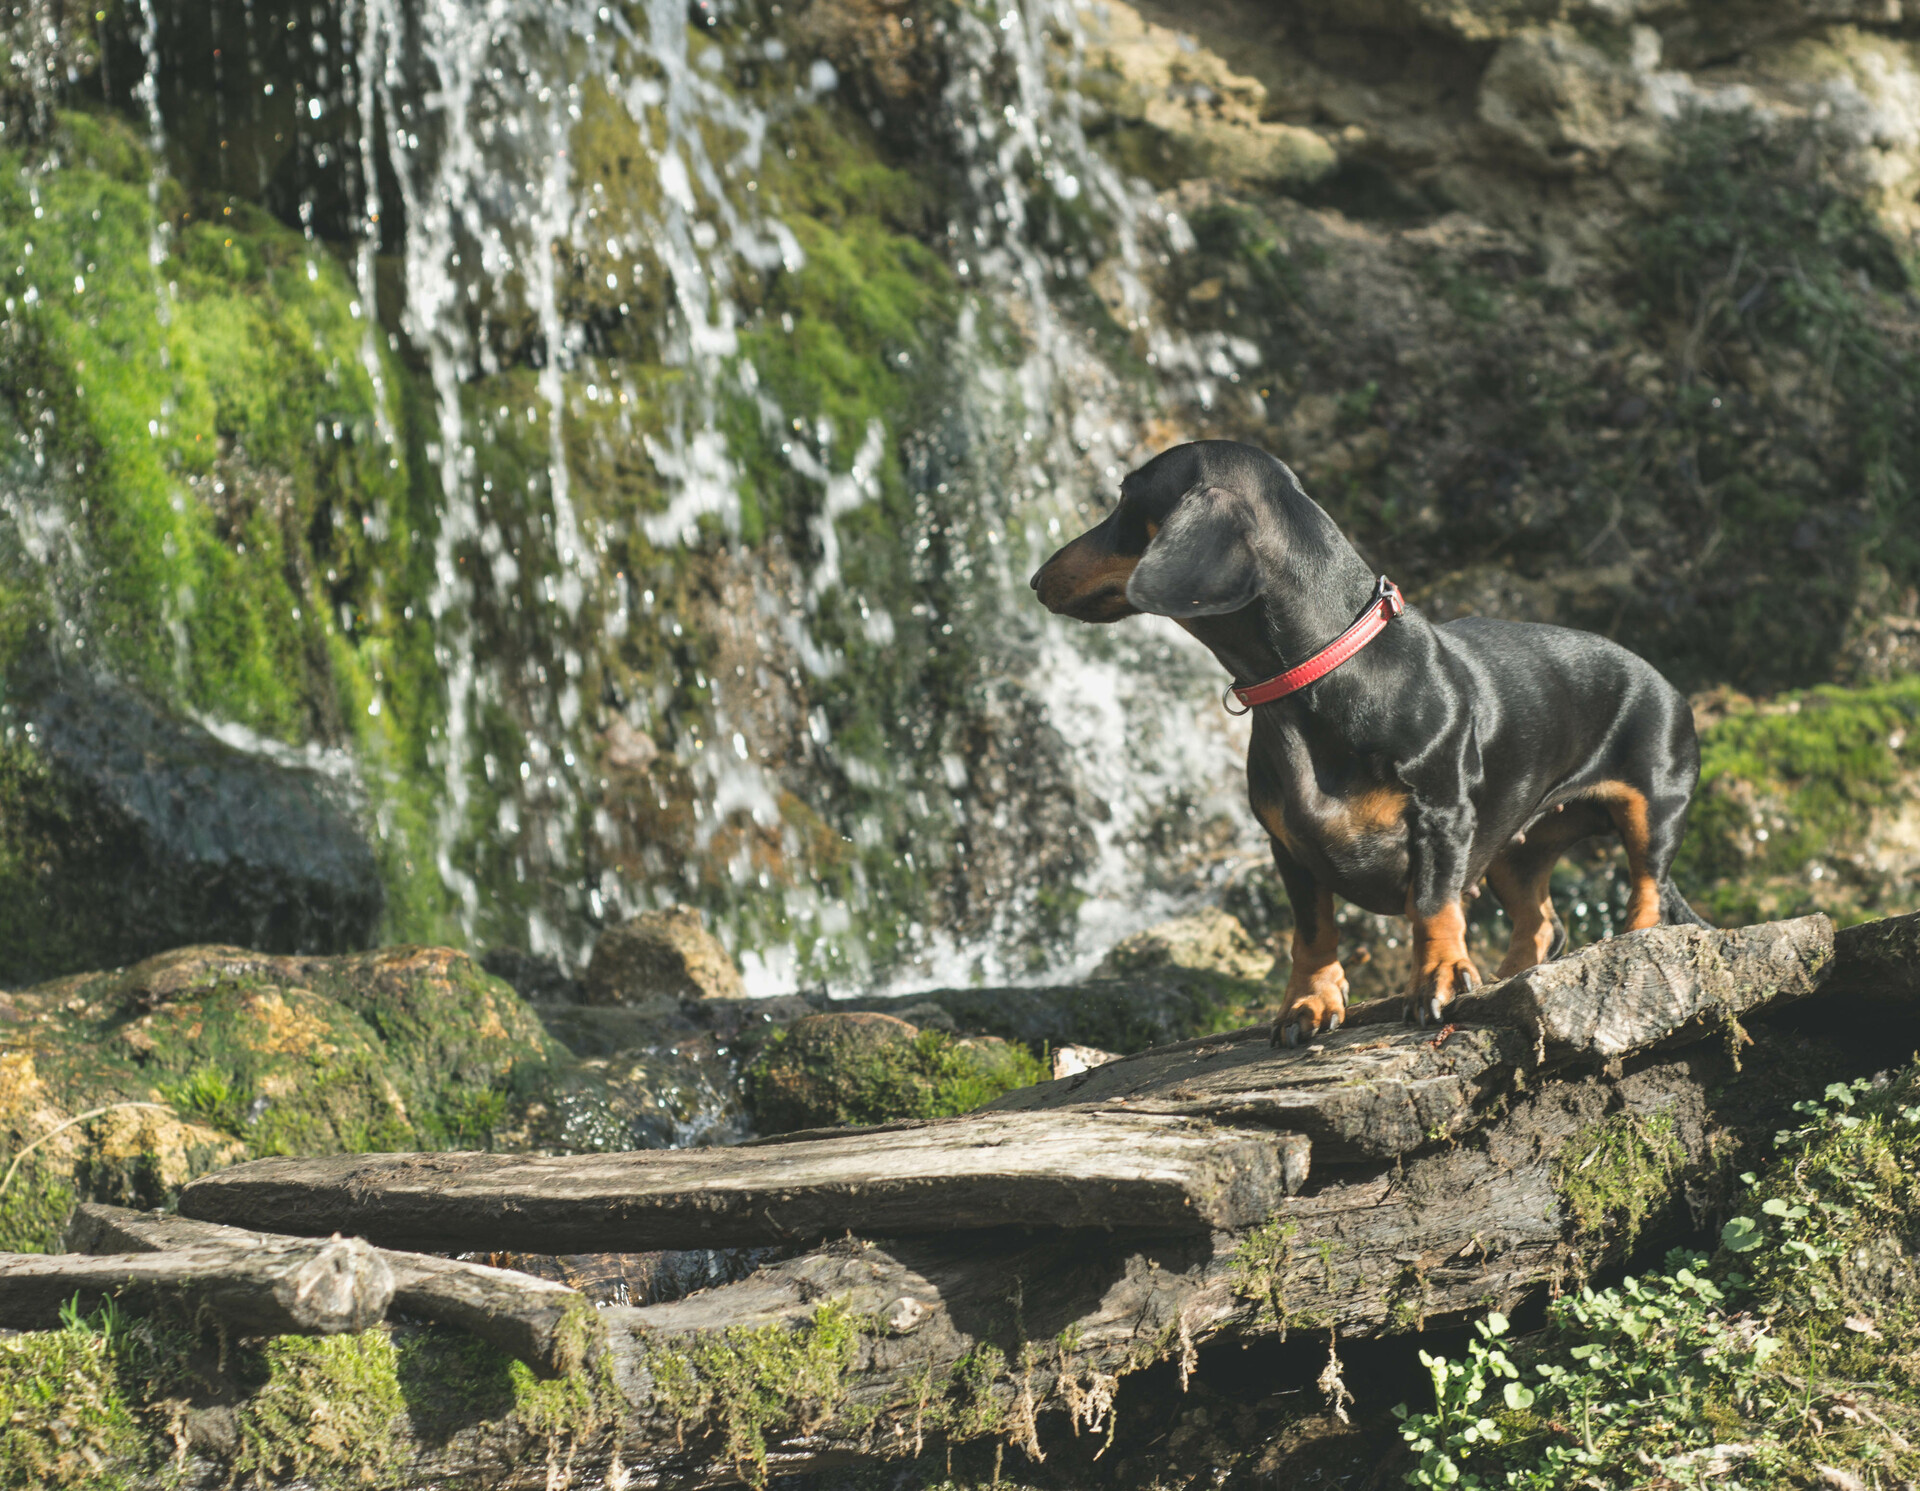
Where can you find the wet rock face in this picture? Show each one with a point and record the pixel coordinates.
(124, 832)
(666, 954)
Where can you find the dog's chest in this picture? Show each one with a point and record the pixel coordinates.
(1333, 816)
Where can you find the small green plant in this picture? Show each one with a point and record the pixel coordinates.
(212, 1095)
(1783, 1352)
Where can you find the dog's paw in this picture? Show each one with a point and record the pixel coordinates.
(1437, 987)
(1317, 1009)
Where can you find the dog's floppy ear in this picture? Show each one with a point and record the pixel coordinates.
(1201, 562)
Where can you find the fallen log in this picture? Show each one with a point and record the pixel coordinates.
(1641, 989)
(1568, 1146)
(1103, 1169)
(298, 1287)
(1357, 1095)
(546, 1325)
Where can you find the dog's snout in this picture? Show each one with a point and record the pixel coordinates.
(1033, 581)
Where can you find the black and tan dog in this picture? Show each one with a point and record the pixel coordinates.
(1432, 756)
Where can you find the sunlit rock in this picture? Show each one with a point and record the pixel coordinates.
(666, 954)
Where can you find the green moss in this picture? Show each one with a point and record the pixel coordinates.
(1616, 1173)
(1793, 783)
(329, 1411)
(247, 519)
(408, 1048)
(75, 1403)
(755, 1382)
(1259, 1270)
(860, 1069)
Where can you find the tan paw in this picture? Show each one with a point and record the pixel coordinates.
(1438, 986)
(1314, 1007)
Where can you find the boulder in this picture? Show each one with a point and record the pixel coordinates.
(660, 954)
(856, 1067)
(122, 1086)
(125, 832)
(1208, 940)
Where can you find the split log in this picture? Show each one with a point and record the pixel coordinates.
(1357, 1095)
(1879, 961)
(546, 1325)
(1102, 1169)
(1664, 985)
(301, 1288)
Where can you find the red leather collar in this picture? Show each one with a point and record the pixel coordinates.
(1387, 603)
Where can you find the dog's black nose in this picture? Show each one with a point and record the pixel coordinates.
(1034, 583)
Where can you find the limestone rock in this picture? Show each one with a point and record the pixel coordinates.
(1208, 939)
(1210, 119)
(1567, 104)
(661, 954)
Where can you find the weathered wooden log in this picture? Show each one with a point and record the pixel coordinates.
(302, 1288)
(1664, 985)
(1357, 1095)
(1878, 961)
(1096, 1169)
(546, 1325)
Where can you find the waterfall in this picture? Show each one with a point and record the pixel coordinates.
(907, 774)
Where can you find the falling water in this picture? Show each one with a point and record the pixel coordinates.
(459, 117)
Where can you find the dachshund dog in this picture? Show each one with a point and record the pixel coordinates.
(1400, 766)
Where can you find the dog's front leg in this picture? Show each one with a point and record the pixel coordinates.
(1317, 986)
(1439, 842)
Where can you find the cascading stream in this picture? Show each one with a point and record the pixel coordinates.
(518, 289)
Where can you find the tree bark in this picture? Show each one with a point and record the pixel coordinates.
(546, 1325)
(1082, 1170)
(298, 1288)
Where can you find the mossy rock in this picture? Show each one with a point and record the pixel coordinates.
(211, 1055)
(860, 1068)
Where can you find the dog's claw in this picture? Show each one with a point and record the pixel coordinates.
(1333, 1023)
(1290, 1035)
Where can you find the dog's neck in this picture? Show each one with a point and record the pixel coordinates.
(1302, 606)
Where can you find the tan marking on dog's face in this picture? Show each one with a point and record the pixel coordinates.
(1087, 581)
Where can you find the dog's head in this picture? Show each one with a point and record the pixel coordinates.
(1194, 532)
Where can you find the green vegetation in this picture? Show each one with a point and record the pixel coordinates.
(837, 1069)
(1791, 1348)
(405, 1049)
(1791, 792)
(73, 1402)
(753, 1382)
(1613, 1175)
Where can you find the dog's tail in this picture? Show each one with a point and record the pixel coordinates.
(1675, 911)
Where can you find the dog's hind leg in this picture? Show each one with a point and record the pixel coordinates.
(1521, 877)
(1317, 985)
(1522, 886)
(1649, 829)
